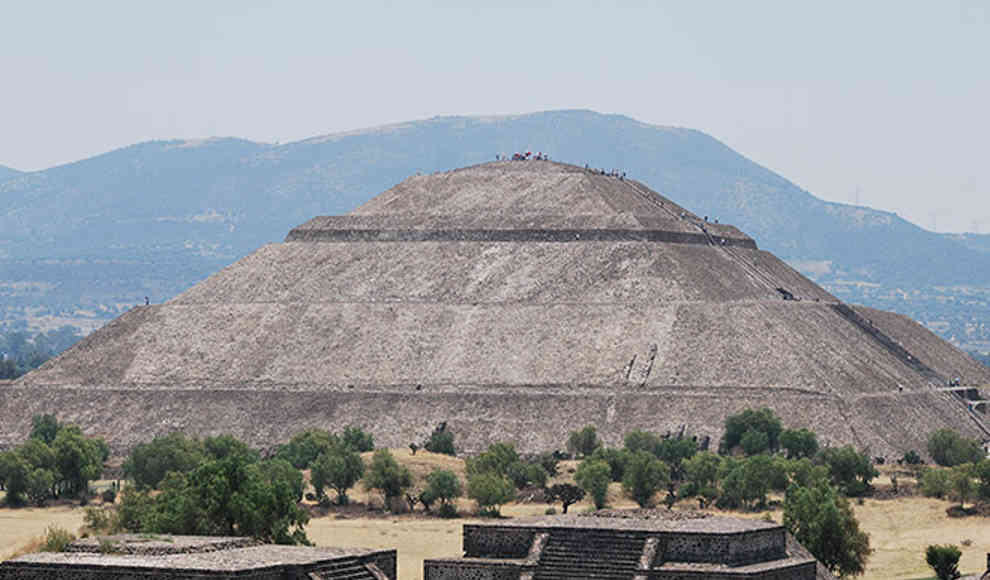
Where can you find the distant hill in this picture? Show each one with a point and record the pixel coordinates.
(153, 218)
(8, 173)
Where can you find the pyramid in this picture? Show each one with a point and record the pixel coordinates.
(515, 300)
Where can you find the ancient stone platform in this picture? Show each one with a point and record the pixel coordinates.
(665, 547)
(518, 300)
(153, 557)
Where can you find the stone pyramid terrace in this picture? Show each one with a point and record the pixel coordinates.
(672, 546)
(515, 300)
(162, 557)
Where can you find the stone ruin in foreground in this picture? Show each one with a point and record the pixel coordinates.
(515, 300)
(614, 546)
(165, 557)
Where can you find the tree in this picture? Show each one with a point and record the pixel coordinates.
(567, 494)
(228, 446)
(981, 471)
(444, 486)
(388, 477)
(44, 428)
(441, 442)
(39, 486)
(615, 458)
(763, 420)
(497, 458)
(701, 477)
(948, 448)
(357, 439)
(936, 482)
(593, 476)
(944, 560)
(525, 475)
(799, 443)
(14, 470)
(644, 476)
(639, 440)
(961, 482)
(490, 490)
(306, 446)
(823, 522)
(754, 442)
(148, 463)
(339, 468)
(584, 441)
(79, 459)
(851, 471)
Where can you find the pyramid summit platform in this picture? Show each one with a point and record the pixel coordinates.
(515, 300)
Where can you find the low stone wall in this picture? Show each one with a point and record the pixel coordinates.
(730, 549)
(495, 542)
(468, 569)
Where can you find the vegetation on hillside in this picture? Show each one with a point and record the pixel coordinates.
(21, 351)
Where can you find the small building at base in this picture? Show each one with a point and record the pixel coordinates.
(622, 545)
(156, 557)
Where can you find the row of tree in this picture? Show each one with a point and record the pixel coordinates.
(21, 352)
(56, 461)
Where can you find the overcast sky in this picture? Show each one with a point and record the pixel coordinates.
(885, 98)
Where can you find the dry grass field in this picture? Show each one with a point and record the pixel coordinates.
(899, 529)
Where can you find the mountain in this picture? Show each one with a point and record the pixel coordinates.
(153, 218)
(8, 173)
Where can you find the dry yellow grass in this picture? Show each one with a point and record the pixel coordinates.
(19, 527)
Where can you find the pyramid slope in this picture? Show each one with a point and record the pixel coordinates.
(517, 298)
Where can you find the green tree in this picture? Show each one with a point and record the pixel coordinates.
(981, 471)
(228, 446)
(615, 458)
(799, 443)
(584, 441)
(851, 471)
(701, 477)
(566, 493)
(339, 468)
(754, 442)
(936, 482)
(948, 448)
(148, 463)
(639, 440)
(387, 476)
(593, 476)
(497, 459)
(823, 522)
(79, 459)
(357, 439)
(944, 560)
(490, 490)
(39, 485)
(644, 476)
(14, 470)
(306, 446)
(441, 442)
(44, 428)
(763, 420)
(444, 486)
(961, 482)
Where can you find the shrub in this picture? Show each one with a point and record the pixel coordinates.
(108, 496)
(639, 440)
(101, 520)
(944, 560)
(948, 448)
(584, 442)
(615, 458)
(593, 476)
(548, 461)
(57, 539)
(911, 458)
(444, 486)
(39, 486)
(497, 458)
(447, 511)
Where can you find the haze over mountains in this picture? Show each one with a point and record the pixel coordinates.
(88, 240)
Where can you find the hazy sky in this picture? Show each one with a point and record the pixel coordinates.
(887, 98)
